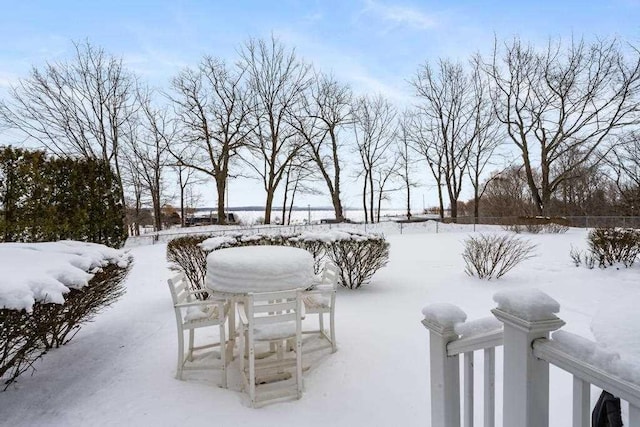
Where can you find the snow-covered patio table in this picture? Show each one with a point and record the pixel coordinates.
(239, 271)
(258, 269)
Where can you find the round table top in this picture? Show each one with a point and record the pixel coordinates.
(258, 269)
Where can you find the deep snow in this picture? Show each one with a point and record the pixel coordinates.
(119, 369)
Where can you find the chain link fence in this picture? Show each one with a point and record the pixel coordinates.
(390, 227)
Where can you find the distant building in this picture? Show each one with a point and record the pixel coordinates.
(209, 218)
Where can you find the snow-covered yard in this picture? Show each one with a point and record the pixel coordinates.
(119, 370)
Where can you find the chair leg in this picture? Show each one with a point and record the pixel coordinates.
(321, 320)
(223, 356)
(191, 339)
(242, 345)
(332, 327)
(180, 354)
(252, 376)
(299, 367)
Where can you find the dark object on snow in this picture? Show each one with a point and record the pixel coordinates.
(606, 413)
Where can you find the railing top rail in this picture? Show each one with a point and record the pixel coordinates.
(554, 353)
(475, 342)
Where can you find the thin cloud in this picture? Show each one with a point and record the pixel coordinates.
(401, 15)
(346, 66)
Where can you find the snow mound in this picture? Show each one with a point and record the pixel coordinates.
(329, 236)
(444, 314)
(478, 326)
(615, 327)
(45, 272)
(259, 269)
(528, 304)
(213, 243)
(597, 355)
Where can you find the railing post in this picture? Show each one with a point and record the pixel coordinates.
(527, 315)
(444, 369)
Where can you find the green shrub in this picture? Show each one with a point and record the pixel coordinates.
(610, 246)
(48, 199)
(27, 336)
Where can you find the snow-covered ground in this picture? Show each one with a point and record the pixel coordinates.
(119, 369)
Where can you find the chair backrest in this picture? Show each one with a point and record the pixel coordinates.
(274, 307)
(179, 289)
(330, 275)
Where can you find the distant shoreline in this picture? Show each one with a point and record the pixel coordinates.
(295, 208)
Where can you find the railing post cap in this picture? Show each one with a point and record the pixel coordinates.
(529, 304)
(442, 317)
(552, 323)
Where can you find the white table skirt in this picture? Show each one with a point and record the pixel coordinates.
(258, 269)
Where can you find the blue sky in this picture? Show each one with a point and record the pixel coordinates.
(375, 45)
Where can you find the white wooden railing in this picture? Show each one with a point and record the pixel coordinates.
(523, 330)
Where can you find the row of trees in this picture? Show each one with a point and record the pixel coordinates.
(555, 115)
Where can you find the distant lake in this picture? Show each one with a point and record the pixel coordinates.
(302, 216)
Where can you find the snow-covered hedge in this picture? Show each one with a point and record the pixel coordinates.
(611, 246)
(357, 255)
(47, 290)
(488, 256)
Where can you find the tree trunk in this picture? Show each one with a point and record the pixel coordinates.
(408, 201)
(440, 200)
(476, 204)
(364, 198)
(221, 186)
(284, 201)
(268, 206)
(371, 206)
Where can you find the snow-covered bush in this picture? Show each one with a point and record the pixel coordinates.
(555, 228)
(357, 255)
(614, 245)
(578, 257)
(532, 228)
(185, 254)
(490, 256)
(43, 306)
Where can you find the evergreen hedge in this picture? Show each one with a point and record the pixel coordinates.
(49, 199)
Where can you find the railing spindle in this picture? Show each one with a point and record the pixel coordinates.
(489, 387)
(468, 389)
(581, 402)
(634, 416)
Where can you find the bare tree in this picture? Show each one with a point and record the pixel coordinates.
(507, 193)
(422, 141)
(298, 179)
(187, 179)
(277, 81)
(487, 131)
(75, 108)
(150, 135)
(447, 105)
(134, 190)
(213, 113)
(405, 157)
(625, 165)
(383, 177)
(325, 112)
(561, 98)
(375, 131)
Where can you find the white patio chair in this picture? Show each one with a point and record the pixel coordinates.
(320, 300)
(273, 318)
(192, 314)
